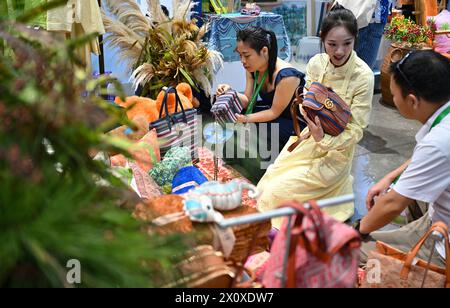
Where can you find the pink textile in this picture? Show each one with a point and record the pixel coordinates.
(323, 252)
(442, 42)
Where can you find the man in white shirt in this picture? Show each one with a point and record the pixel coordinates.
(420, 85)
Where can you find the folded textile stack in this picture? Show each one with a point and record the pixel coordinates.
(186, 179)
(145, 185)
(175, 159)
(226, 106)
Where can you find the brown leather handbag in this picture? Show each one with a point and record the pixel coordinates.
(404, 270)
(334, 114)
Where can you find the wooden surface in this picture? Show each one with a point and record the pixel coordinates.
(405, 2)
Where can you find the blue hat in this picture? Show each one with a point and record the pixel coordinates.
(186, 179)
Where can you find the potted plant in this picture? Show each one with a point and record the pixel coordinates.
(405, 35)
(161, 51)
(59, 227)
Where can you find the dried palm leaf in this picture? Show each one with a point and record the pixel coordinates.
(182, 9)
(127, 41)
(157, 15)
(201, 33)
(189, 47)
(214, 61)
(160, 51)
(142, 75)
(129, 13)
(203, 81)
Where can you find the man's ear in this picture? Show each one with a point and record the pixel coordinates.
(414, 101)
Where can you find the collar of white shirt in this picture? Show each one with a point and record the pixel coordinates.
(425, 129)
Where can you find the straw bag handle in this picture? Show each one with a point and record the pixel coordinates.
(442, 229)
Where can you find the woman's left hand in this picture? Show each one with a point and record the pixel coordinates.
(241, 118)
(315, 127)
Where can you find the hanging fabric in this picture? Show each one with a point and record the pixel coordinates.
(77, 18)
(41, 19)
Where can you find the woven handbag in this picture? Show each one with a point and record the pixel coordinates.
(204, 267)
(171, 204)
(403, 270)
(226, 106)
(177, 129)
(321, 101)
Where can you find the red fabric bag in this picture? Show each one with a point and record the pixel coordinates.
(323, 252)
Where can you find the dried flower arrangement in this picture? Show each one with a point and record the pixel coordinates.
(161, 51)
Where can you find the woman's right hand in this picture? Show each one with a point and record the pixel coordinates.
(222, 88)
(376, 191)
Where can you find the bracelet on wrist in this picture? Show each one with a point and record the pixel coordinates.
(356, 226)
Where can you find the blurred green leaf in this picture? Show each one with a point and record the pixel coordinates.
(51, 206)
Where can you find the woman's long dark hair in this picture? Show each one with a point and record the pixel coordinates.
(339, 16)
(258, 38)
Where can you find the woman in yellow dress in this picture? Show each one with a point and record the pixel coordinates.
(320, 166)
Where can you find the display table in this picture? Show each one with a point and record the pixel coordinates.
(221, 37)
(223, 28)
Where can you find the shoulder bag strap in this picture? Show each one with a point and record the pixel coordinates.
(348, 75)
(294, 114)
(322, 73)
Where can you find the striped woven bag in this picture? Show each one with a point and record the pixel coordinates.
(333, 112)
(178, 129)
(226, 106)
